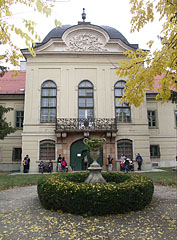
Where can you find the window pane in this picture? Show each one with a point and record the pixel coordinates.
(82, 102)
(118, 104)
(120, 84)
(85, 84)
(82, 92)
(85, 113)
(81, 113)
(89, 113)
(118, 92)
(89, 102)
(52, 92)
(45, 92)
(52, 102)
(44, 102)
(48, 84)
(85, 92)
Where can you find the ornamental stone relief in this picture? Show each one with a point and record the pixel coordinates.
(85, 42)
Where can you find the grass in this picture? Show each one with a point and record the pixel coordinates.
(166, 178)
(10, 181)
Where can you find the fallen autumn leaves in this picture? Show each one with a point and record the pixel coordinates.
(22, 217)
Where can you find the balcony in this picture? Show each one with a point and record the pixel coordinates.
(86, 125)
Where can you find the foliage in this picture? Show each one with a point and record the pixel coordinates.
(2, 70)
(5, 127)
(121, 193)
(8, 30)
(158, 62)
(93, 143)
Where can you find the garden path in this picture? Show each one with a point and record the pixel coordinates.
(22, 217)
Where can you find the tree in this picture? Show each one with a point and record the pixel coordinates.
(8, 30)
(5, 127)
(142, 66)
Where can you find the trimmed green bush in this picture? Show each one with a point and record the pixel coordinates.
(68, 192)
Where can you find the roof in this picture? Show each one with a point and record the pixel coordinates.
(59, 31)
(12, 85)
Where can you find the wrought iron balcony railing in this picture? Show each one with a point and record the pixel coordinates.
(86, 124)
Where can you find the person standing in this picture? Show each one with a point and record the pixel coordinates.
(110, 160)
(63, 164)
(26, 163)
(139, 159)
(85, 162)
(59, 162)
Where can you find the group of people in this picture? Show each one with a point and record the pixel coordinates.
(45, 166)
(126, 164)
(62, 164)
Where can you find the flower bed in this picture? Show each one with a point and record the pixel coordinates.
(69, 193)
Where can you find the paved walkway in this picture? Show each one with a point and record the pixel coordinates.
(22, 217)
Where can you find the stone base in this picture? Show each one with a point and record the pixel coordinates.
(95, 175)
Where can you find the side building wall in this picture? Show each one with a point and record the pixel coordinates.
(11, 146)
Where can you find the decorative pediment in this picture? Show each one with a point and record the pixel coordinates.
(85, 42)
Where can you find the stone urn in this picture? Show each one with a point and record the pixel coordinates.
(94, 145)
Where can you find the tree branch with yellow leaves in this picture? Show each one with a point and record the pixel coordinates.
(141, 67)
(8, 31)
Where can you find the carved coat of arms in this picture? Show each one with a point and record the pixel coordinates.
(85, 42)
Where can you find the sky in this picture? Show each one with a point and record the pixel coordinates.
(113, 13)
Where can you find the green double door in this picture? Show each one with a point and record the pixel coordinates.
(78, 151)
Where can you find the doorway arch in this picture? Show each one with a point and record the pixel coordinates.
(78, 151)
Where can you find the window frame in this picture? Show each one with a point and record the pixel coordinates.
(123, 107)
(124, 152)
(48, 97)
(155, 114)
(14, 154)
(48, 143)
(83, 86)
(176, 118)
(21, 118)
(157, 146)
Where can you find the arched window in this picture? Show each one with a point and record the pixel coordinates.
(122, 110)
(85, 100)
(48, 101)
(47, 150)
(124, 147)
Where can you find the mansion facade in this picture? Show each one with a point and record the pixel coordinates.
(70, 91)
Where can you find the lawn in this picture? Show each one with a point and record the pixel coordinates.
(167, 178)
(10, 181)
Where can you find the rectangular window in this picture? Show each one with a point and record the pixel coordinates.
(19, 119)
(17, 154)
(154, 151)
(152, 119)
(176, 117)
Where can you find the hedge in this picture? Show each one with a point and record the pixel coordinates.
(68, 192)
